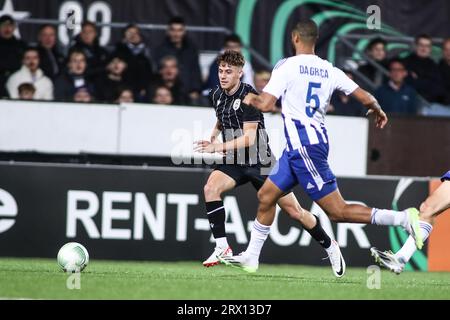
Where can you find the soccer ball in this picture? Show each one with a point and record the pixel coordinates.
(73, 257)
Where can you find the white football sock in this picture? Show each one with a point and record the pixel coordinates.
(258, 236)
(406, 252)
(222, 243)
(383, 217)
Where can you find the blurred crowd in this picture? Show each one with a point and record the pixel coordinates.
(415, 84)
(131, 72)
(170, 74)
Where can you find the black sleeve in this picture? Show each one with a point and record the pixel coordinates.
(210, 98)
(251, 114)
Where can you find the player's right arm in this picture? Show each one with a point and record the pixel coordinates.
(348, 86)
(369, 101)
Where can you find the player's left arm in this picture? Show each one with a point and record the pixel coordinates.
(246, 140)
(370, 102)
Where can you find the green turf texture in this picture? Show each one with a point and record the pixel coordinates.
(42, 279)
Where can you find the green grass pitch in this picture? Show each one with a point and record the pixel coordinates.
(41, 279)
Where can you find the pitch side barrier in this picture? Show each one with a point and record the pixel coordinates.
(157, 214)
(152, 130)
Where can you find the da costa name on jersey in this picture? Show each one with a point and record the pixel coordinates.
(313, 71)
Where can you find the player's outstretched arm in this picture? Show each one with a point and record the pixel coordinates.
(265, 102)
(371, 103)
(246, 140)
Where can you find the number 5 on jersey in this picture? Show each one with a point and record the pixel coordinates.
(310, 110)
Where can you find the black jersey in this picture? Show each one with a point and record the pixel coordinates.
(231, 113)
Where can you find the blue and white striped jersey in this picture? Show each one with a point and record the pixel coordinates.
(305, 84)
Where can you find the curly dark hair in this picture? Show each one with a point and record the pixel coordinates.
(233, 58)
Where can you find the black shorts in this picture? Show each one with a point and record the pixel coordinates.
(244, 174)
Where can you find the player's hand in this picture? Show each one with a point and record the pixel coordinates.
(204, 146)
(380, 117)
(249, 98)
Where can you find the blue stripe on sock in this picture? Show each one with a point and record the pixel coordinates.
(373, 215)
(426, 226)
(261, 228)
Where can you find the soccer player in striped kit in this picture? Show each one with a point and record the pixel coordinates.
(305, 84)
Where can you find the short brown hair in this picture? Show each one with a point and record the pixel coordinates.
(233, 58)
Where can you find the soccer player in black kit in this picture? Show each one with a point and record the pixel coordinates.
(247, 158)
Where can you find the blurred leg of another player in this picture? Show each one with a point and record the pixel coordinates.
(434, 205)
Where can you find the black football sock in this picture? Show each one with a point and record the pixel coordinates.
(216, 216)
(320, 235)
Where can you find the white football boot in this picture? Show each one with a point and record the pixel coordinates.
(213, 259)
(336, 259)
(243, 261)
(388, 260)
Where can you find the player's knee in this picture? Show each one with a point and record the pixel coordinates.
(261, 196)
(211, 191)
(264, 198)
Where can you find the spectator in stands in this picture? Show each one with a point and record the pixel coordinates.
(169, 77)
(30, 72)
(124, 95)
(261, 79)
(376, 50)
(87, 41)
(162, 95)
(231, 42)
(343, 105)
(444, 67)
(75, 77)
(51, 59)
(136, 54)
(424, 74)
(177, 44)
(108, 83)
(26, 91)
(82, 94)
(396, 96)
(11, 51)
